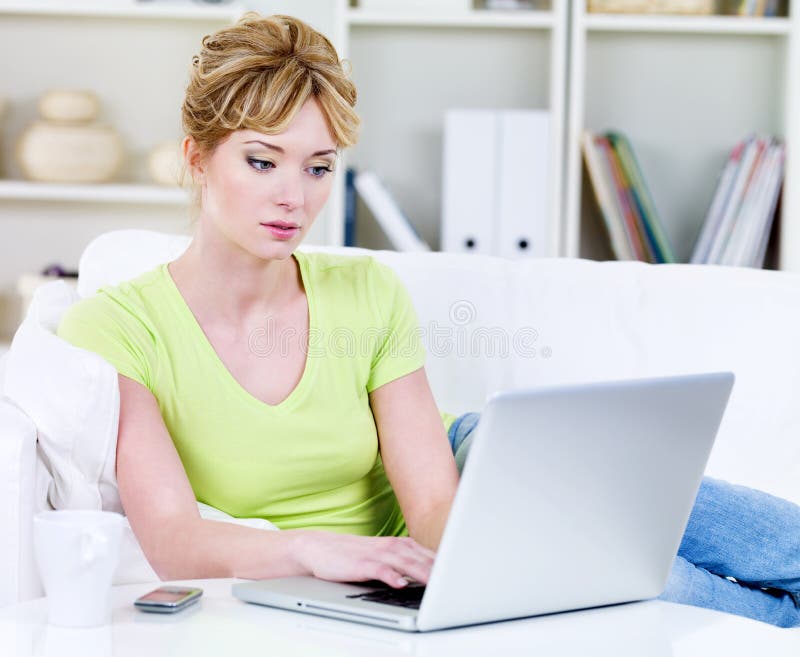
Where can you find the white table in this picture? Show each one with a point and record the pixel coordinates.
(221, 625)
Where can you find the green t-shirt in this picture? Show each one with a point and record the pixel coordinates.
(310, 461)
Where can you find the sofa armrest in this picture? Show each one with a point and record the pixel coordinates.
(19, 578)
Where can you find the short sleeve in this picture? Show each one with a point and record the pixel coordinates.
(447, 419)
(113, 331)
(399, 349)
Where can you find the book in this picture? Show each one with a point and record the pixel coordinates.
(738, 224)
(623, 203)
(732, 207)
(647, 207)
(395, 224)
(746, 217)
(628, 209)
(604, 196)
(775, 190)
(632, 215)
(756, 7)
(716, 211)
(754, 248)
(349, 207)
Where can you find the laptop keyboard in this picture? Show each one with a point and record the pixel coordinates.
(409, 596)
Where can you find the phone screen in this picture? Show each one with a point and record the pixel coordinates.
(165, 595)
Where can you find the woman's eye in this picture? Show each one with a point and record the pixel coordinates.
(255, 164)
(320, 171)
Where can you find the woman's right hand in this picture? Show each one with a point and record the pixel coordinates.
(348, 558)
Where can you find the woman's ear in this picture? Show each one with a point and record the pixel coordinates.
(193, 160)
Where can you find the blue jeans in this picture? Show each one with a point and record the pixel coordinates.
(740, 552)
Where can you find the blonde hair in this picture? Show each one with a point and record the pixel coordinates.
(257, 74)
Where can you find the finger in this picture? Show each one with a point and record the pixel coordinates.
(385, 573)
(407, 545)
(408, 563)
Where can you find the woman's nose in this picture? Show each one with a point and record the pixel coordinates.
(289, 191)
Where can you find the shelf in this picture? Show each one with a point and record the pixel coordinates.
(120, 9)
(98, 192)
(687, 24)
(477, 18)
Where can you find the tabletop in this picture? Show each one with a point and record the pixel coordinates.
(220, 624)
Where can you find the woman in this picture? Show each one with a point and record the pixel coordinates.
(223, 400)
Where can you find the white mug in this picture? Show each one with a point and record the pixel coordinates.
(77, 553)
(74, 642)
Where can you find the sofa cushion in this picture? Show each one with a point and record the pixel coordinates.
(73, 399)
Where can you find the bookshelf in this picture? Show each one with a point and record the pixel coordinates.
(19, 190)
(684, 89)
(412, 65)
(686, 24)
(475, 18)
(118, 9)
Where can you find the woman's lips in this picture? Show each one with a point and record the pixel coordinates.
(281, 233)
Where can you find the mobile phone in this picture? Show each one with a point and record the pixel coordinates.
(168, 599)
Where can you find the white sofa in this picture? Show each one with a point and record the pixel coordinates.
(490, 323)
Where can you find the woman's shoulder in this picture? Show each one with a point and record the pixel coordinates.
(126, 301)
(323, 261)
(118, 322)
(361, 267)
(344, 272)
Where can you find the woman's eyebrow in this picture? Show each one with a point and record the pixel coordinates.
(280, 150)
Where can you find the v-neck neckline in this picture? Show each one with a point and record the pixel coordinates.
(291, 400)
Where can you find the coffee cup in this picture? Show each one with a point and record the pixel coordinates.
(77, 553)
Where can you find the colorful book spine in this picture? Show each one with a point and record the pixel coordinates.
(739, 222)
(660, 242)
(624, 199)
(604, 196)
(723, 232)
(632, 217)
(621, 200)
(746, 216)
(721, 198)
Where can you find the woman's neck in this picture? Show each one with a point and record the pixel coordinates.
(223, 284)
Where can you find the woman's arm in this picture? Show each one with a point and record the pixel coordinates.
(158, 499)
(416, 454)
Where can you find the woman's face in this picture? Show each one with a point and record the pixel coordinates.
(253, 179)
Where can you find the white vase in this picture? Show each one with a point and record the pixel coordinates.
(165, 163)
(51, 152)
(69, 106)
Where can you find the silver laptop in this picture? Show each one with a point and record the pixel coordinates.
(572, 497)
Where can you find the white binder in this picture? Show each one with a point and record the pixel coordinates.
(469, 177)
(524, 184)
(496, 183)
